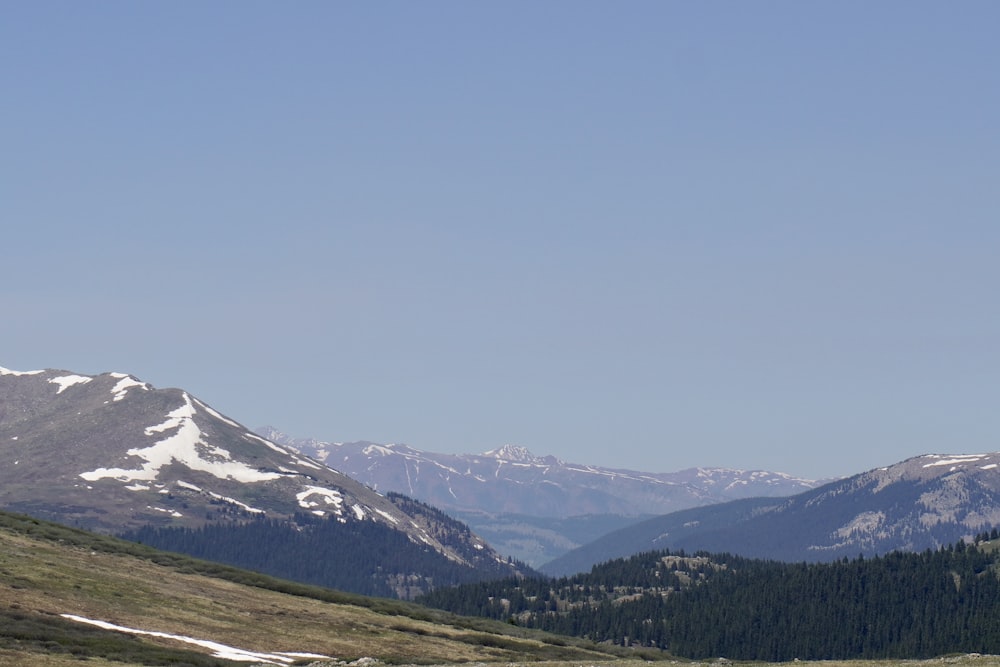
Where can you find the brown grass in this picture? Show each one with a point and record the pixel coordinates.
(37, 575)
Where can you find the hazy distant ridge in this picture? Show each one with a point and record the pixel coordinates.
(923, 502)
(536, 508)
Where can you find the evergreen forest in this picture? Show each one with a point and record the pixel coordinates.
(900, 605)
(358, 556)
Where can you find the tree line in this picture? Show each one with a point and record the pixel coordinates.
(900, 605)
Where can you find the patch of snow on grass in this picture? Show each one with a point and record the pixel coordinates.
(181, 447)
(220, 650)
(137, 487)
(359, 512)
(173, 513)
(67, 381)
(186, 485)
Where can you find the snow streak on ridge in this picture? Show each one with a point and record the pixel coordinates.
(183, 447)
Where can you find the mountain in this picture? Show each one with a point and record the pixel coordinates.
(512, 480)
(112, 453)
(535, 507)
(920, 503)
(67, 596)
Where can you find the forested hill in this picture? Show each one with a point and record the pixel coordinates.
(902, 605)
(359, 557)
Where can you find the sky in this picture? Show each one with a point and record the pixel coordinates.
(645, 235)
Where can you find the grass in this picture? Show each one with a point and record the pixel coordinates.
(47, 570)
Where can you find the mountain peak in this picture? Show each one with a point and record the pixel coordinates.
(514, 453)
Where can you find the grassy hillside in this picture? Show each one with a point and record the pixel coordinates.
(47, 570)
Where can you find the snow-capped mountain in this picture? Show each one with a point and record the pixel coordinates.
(536, 508)
(110, 452)
(513, 480)
(923, 502)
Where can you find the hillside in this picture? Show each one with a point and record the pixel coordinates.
(921, 503)
(114, 454)
(359, 556)
(56, 582)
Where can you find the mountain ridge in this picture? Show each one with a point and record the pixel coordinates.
(535, 508)
(110, 452)
(922, 502)
(388, 465)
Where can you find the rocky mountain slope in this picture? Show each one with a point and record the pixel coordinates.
(923, 502)
(536, 508)
(110, 452)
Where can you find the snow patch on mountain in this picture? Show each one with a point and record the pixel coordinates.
(67, 381)
(307, 464)
(186, 446)
(328, 496)
(233, 501)
(388, 517)
(266, 442)
(954, 460)
(125, 382)
(7, 371)
(383, 450)
(173, 513)
(512, 453)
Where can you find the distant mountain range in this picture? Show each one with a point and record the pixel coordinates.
(921, 503)
(535, 508)
(112, 453)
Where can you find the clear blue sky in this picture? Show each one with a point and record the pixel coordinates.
(650, 235)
